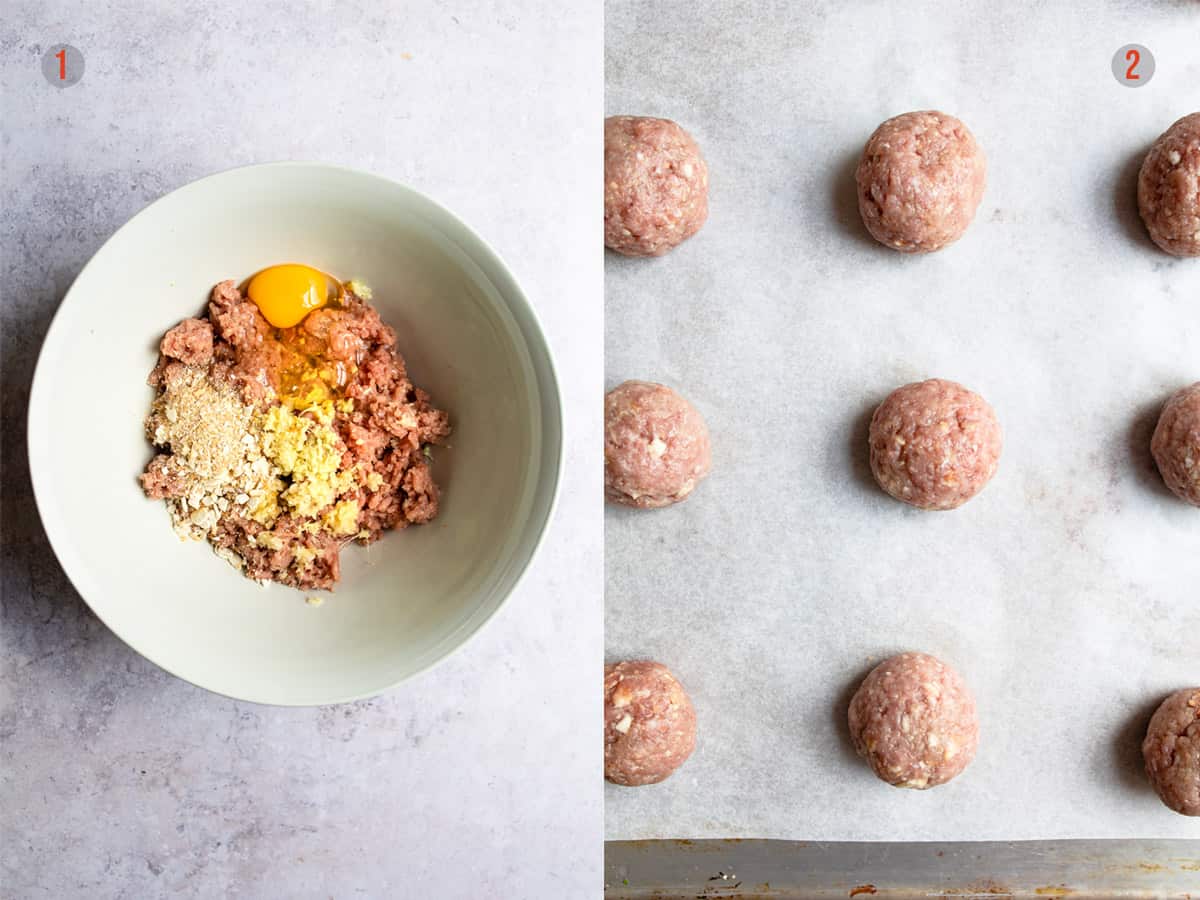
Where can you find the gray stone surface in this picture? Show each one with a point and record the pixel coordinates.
(477, 779)
(1065, 593)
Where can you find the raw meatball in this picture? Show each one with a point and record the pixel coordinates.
(656, 446)
(649, 723)
(1172, 751)
(913, 719)
(934, 444)
(1169, 188)
(655, 185)
(1176, 443)
(920, 180)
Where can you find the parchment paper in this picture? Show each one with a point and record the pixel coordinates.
(1068, 592)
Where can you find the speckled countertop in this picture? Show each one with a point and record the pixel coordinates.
(1065, 592)
(121, 781)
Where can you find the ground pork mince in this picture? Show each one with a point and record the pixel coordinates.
(280, 445)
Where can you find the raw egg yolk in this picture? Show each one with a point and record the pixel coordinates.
(286, 294)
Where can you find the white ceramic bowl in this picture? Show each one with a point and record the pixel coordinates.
(469, 337)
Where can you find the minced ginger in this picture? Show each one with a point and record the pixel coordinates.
(310, 452)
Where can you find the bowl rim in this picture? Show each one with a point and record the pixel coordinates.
(553, 400)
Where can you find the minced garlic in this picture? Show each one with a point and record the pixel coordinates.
(316, 402)
(310, 452)
(269, 540)
(265, 509)
(342, 518)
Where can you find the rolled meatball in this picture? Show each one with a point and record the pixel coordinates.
(934, 444)
(1169, 188)
(913, 720)
(649, 723)
(656, 446)
(920, 180)
(1172, 751)
(655, 185)
(1176, 443)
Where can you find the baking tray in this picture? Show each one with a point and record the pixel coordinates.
(1066, 593)
(698, 870)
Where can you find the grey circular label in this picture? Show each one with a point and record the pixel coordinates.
(1133, 65)
(62, 65)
